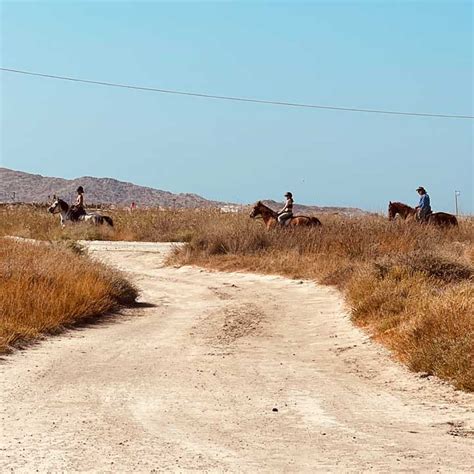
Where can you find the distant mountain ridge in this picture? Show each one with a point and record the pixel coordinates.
(19, 186)
(311, 209)
(26, 187)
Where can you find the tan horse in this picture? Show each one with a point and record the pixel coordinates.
(406, 212)
(270, 218)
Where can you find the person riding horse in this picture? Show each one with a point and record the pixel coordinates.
(77, 209)
(286, 212)
(424, 208)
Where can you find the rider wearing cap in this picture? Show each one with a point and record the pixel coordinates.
(287, 210)
(424, 208)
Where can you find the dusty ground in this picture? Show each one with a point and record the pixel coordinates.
(224, 372)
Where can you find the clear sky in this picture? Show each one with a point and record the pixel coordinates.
(407, 56)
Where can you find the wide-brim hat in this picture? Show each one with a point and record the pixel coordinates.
(420, 188)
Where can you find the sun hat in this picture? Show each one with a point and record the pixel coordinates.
(421, 188)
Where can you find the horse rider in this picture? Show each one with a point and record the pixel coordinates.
(286, 212)
(423, 209)
(77, 209)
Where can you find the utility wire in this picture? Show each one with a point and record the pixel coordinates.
(239, 99)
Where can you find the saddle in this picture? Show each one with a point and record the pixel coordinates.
(75, 212)
(423, 217)
(287, 220)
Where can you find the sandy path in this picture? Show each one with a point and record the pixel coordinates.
(191, 384)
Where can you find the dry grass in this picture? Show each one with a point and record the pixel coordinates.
(141, 225)
(45, 288)
(408, 285)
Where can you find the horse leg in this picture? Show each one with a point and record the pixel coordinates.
(108, 220)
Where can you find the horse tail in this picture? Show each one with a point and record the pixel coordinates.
(315, 221)
(108, 220)
(454, 221)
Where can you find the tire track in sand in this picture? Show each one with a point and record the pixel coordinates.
(224, 373)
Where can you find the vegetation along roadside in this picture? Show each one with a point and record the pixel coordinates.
(410, 286)
(45, 288)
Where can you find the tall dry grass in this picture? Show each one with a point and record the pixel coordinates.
(409, 285)
(140, 225)
(45, 288)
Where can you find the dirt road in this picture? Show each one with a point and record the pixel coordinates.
(223, 372)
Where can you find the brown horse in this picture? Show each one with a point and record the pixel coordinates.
(270, 217)
(403, 210)
(442, 219)
(407, 212)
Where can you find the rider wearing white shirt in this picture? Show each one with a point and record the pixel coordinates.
(287, 210)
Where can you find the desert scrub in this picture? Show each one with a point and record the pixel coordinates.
(45, 288)
(397, 276)
(410, 286)
(152, 225)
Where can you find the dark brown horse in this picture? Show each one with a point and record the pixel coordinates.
(407, 212)
(270, 217)
(403, 210)
(442, 219)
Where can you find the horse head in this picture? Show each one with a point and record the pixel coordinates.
(403, 210)
(392, 212)
(257, 210)
(58, 206)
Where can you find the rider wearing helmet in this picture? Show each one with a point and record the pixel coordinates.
(287, 210)
(424, 208)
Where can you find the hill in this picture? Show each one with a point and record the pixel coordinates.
(306, 209)
(18, 186)
(25, 187)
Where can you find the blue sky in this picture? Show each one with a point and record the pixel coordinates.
(407, 56)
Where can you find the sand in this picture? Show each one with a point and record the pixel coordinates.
(224, 372)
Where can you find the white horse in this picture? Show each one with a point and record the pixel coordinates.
(62, 208)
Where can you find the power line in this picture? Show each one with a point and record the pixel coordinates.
(239, 99)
